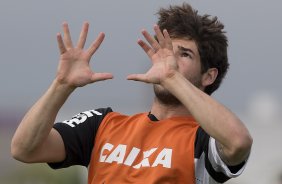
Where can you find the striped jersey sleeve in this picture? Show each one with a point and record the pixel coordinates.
(78, 135)
(209, 167)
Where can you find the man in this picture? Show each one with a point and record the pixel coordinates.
(186, 137)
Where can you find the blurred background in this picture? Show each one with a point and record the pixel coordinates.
(29, 58)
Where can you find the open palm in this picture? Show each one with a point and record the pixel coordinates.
(74, 69)
(162, 56)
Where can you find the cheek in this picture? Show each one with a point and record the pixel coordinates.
(186, 68)
(189, 71)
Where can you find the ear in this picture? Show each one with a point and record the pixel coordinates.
(209, 76)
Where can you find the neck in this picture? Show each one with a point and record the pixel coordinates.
(162, 111)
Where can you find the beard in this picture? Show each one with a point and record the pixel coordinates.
(166, 98)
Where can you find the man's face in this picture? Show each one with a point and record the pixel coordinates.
(189, 65)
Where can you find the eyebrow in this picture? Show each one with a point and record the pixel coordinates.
(185, 49)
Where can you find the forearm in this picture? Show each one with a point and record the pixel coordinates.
(218, 121)
(38, 121)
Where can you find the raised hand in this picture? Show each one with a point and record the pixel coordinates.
(162, 56)
(74, 69)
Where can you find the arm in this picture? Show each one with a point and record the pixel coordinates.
(35, 140)
(233, 139)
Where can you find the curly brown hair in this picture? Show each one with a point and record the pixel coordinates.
(185, 22)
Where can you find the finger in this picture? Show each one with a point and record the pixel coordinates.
(138, 77)
(168, 41)
(96, 44)
(149, 51)
(101, 76)
(67, 37)
(83, 35)
(155, 45)
(61, 44)
(159, 35)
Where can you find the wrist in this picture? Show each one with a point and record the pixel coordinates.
(63, 87)
(171, 79)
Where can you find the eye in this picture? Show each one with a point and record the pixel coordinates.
(185, 54)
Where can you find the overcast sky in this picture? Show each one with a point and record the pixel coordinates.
(29, 54)
(252, 88)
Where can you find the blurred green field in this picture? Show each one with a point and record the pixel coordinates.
(41, 174)
(15, 172)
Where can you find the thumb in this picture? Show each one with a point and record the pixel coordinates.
(101, 76)
(138, 77)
